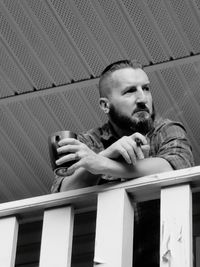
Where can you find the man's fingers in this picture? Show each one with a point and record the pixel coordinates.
(140, 137)
(124, 153)
(129, 148)
(68, 141)
(139, 153)
(67, 149)
(145, 150)
(73, 168)
(67, 158)
(135, 152)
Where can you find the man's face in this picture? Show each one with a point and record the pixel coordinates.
(130, 100)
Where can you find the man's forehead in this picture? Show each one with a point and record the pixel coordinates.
(129, 75)
(122, 78)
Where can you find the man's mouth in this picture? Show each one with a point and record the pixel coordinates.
(141, 110)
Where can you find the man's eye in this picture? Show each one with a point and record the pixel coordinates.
(131, 90)
(146, 88)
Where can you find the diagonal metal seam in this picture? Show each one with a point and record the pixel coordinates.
(27, 137)
(18, 182)
(17, 63)
(101, 29)
(69, 38)
(34, 39)
(183, 11)
(38, 125)
(194, 9)
(184, 83)
(155, 28)
(180, 30)
(142, 46)
(109, 30)
(93, 114)
(9, 85)
(23, 161)
(89, 34)
(42, 33)
(11, 52)
(27, 43)
(68, 105)
(19, 155)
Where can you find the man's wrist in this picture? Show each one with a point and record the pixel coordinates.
(103, 153)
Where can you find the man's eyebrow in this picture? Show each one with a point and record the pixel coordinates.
(135, 86)
(147, 83)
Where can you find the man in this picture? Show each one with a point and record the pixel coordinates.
(133, 143)
(112, 151)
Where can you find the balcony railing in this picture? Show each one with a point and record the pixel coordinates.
(113, 203)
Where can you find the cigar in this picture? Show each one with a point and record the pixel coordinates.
(138, 142)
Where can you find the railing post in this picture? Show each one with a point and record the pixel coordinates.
(8, 241)
(57, 232)
(114, 230)
(176, 227)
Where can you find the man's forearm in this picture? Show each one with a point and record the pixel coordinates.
(142, 167)
(81, 178)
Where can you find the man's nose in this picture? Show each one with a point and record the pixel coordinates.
(141, 96)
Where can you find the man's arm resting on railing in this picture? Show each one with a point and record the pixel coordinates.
(90, 166)
(79, 179)
(89, 174)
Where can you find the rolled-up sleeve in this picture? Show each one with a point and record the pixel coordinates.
(175, 147)
(56, 184)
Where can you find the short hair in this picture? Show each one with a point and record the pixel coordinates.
(121, 64)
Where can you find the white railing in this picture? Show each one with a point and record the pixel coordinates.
(113, 241)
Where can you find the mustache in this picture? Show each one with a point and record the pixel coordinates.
(144, 108)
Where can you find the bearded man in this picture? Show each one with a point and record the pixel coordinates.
(133, 143)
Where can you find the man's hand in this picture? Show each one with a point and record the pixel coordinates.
(73, 149)
(131, 148)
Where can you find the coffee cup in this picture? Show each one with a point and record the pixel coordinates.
(53, 140)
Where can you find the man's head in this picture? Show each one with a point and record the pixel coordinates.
(125, 97)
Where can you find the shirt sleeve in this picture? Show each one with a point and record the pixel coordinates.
(91, 143)
(57, 184)
(175, 147)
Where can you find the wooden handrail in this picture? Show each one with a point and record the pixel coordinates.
(144, 188)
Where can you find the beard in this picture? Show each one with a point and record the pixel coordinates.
(141, 121)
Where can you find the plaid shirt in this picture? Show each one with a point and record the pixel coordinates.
(167, 140)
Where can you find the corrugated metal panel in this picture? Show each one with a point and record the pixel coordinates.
(21, 51)
(80, 34)
(167, 29)
(11, 74)
(57, 38)
(188, 16)
(37, 43)
(122, 30)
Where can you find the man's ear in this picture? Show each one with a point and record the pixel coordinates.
(104, 104)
